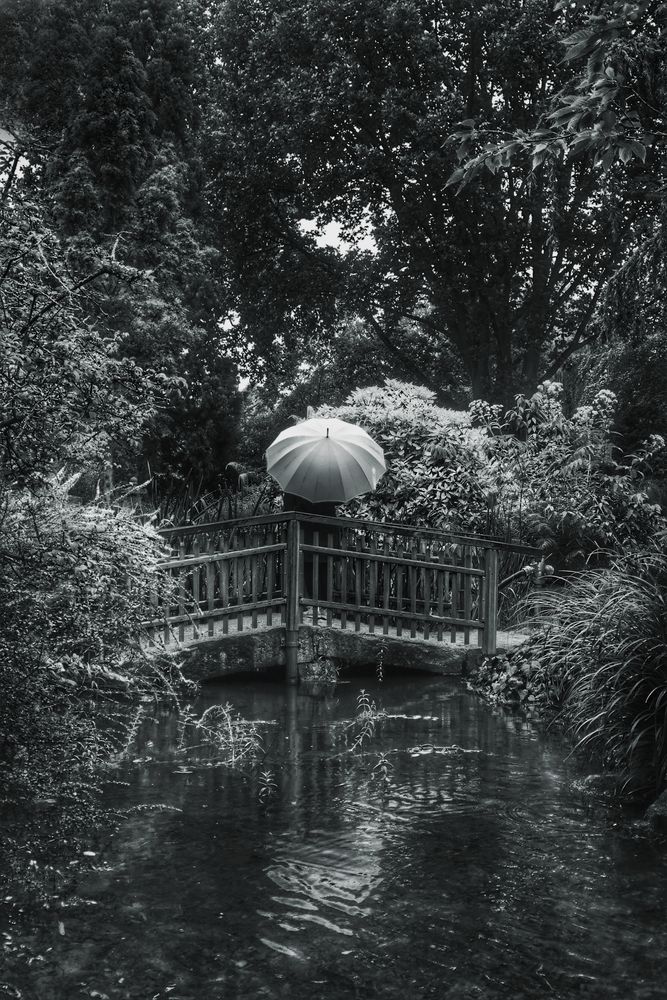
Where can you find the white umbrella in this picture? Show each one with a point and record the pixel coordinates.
(325, 460)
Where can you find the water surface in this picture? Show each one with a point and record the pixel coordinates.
(461, 865)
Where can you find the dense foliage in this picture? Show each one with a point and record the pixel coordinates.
(77, 574)
(107, 104)
(340, 113)
(530, 473)
(600, 660)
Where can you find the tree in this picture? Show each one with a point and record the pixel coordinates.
(109, 100)
(610, 114)
(67, 395)
(339, 112)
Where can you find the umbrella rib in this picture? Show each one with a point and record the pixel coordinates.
(344, 444)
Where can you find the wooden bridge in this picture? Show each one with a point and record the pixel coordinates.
(350, 577)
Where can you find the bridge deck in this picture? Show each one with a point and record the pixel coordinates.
(192, 633)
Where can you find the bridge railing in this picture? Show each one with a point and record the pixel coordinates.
(293, 569)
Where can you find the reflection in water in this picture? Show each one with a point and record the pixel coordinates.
(473, 871)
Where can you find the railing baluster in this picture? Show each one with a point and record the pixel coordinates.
(412, 584)
(239, 579)
(330, 567)
(270, 567)
(343, 580)
(386, 584)
(210, 586)
(372, 584)
(181, 592)
(467, 592)
(441, 593)
(316, 576)
(359, 569)
(427, 576)
(452, 589)
(400, 568)
(254, 581)
(195, 574)
(223, 570)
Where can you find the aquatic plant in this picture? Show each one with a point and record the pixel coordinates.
(223, 730)
(381, 771)
(379, 661)
(367, 717)
(267, 785)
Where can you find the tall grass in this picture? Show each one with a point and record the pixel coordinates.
(605, 642)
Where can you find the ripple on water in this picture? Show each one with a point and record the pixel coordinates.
(326, 882)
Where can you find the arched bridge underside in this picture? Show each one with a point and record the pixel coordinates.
(313, 594)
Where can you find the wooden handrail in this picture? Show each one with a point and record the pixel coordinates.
(407, 578)
(382, 557)
(284, 517)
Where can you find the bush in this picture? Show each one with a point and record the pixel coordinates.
(519, 679)
(531, 475)
(75, 585)
(600, 658)
(605, 640)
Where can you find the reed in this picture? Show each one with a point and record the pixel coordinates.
(605, 644)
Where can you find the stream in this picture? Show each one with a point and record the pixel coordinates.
(447, 856)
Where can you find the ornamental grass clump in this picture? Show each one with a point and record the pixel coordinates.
(605, 641)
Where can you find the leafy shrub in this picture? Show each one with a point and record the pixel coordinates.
(518, 679)
(531, 475)
(601, 659)
(605, 641)
(76, 581)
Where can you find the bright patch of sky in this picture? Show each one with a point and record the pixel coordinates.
(331, 235)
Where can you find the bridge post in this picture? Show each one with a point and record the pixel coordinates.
(293, 601)
(490, 601)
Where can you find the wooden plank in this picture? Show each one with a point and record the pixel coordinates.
(181, 593)
(283, 569)
(234, 553)
(220, 613)
(270, 571)
(490, 601)
(407, 613)
(386, 584)
(358, 587)
(210, 586)
(195, 574)
(400, 569)
(483, 541)
(412, 591)
(254, 585)
(440, 597)
(454, 590)
(330, 576)
(467, 591)
(427, 578)
(293, 598)
(239, 580)
(223, 574)
(343, 591)
(372, 583)
(380, 557)
(316, 574)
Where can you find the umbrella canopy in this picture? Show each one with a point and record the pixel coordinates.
(325, 459)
